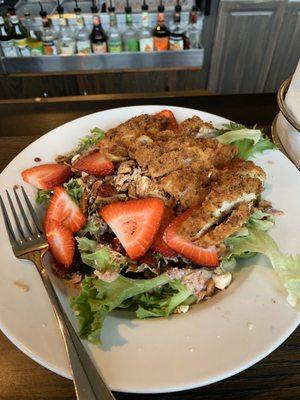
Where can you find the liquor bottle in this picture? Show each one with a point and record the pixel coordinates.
(98, 36)
(193, 33)
(146, 38)
(6, 40)
(161, 32)
(130, 35)
(81, 33)
(114, 38)
(49, 36)
(177, 31)
(19, 34)
(34, 42)
(66, 40)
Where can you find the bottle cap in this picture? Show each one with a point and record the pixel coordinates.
(94, 9)
(43, 14)
(194, 8)
(77, 10)
(145, 6)
(60, 9)
(177, 7)
(161, 8)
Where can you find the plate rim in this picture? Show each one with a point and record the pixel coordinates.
(242, 366)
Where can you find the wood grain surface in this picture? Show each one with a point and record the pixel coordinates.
(277, 377)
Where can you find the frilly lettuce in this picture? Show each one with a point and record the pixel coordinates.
(247, 141)
(286, 266)
(43, 196)
(98, 298)
(100, 257)
(95, 227)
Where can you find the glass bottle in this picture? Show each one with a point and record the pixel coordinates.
(6, 40)
(98, 36)
(35, 43)
(146, 37)
(193, 32)
(130, 35)
(177, 31)
(49, 36)
(66, 40)
(161, 32)
(19, 34)
(83, 43)
(114, 38)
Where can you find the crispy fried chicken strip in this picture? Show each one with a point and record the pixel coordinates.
(232, 187)
(236, 219)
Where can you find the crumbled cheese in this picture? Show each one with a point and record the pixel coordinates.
(222, 280)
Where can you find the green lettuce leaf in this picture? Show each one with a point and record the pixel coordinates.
(95, 227)
(90, 140)
(99, 256)
(247, 141)
(98, 298)
(74, 189)
(163, 301)
(261, 220)
(43, 196)
(286, 266)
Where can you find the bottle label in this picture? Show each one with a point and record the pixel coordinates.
(115, 46)
(9, 49)
(99, 48)
(50, 48)
(36, 51)
(176, 43)
(161, 43)
(14, 19)
(146, 44)
(22, 47)
(132, 45)
(84, 47)
(67, 49)
(145, 19)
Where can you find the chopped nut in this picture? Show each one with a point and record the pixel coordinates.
(210, 288)
(21, 286)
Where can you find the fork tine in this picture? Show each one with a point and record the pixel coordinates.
(8, 226)
(21, 231)
(28, 226)
(33, 214)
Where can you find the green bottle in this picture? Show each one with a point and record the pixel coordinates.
(34, 42)
(130, 35)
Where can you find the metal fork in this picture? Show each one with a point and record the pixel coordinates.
(30, 243)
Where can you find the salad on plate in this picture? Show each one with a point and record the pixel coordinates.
(153, 215)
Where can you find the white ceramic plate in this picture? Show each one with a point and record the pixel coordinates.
(216, 339)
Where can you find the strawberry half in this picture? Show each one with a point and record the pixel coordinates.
(158, 244)
(135, 223)
(61, 242)
(207, 257)
(64, 210)
(173, 124)
(95, 163)
(47, 176)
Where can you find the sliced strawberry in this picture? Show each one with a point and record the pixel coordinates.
(158, 244)
(135, 223)
(61, 242)
(64, 210)
(173, 124)
(207, 257)
(95, 163)
(47, 176)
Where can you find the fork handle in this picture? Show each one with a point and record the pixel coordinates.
(88, 382)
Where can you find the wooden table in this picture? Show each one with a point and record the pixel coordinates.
(276, 377)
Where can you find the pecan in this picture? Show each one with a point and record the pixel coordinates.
(84, 202)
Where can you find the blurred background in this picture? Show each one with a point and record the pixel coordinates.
(51, 49)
